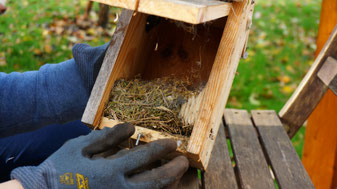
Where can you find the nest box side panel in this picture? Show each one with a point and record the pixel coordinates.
(220, 81)
(123, 59)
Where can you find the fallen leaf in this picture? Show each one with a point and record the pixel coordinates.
(287, 89)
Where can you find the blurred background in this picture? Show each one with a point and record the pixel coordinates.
(280, 50)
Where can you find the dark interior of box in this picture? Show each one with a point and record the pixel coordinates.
(172, 48)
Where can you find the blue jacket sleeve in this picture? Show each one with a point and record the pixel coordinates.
(30, 100)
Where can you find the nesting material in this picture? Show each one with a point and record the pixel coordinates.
(154, 104)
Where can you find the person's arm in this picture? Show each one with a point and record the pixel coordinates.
(30, 100)
(12, 184)
(57, 93)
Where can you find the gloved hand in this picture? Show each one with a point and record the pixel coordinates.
(89, 61)
(87, 162)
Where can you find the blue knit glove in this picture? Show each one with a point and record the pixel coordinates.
(89, 61)
(92, 162)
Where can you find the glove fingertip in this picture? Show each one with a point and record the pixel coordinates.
(169, 144)
(125, 129)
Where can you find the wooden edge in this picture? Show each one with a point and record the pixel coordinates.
(310, 91)
(248, 26)
(328, 74)
(100, 91)
(279, 151)
(193, 12)
(148, 135)
(220, 171)
(251, 165)
(186, 12)
(220, 82)
(259, 115)
(230, 117)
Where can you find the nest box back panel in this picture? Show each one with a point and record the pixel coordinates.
(181, 49)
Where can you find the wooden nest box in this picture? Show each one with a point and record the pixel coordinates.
(202, 40)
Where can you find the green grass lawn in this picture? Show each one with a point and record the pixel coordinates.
(281, 45)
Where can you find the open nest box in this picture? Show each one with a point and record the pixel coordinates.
(197, 41)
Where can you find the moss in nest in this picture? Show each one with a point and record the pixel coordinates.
(151, 104)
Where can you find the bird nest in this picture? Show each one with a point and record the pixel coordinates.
(154, 104)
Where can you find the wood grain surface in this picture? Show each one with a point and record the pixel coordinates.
(190, 11)
(251, 164)
(91, 115)
(328, 74)
(220, 82)
(287, 166)
(310, 91)
(220, 171)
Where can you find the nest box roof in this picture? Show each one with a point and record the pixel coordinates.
(190, 11)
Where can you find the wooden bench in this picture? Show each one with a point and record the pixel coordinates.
(263, 155)
(257, 153)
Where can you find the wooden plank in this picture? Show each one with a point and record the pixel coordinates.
(310, 91)
(190, 180)
(148, 135)
(98, 90)
(220, 171)
(328, 74)
(251, 164)
(190, 11)
(220, 82)
(125, 58)
(287, 166)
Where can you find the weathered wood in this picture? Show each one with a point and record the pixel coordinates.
(310, 91)
(251, 164)
(190, 180)
(328, 74)
(99, 90)
(190, 11)
(287, 166)
(124, 58)
(220, 171)
(220, 82)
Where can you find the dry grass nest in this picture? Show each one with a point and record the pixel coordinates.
(151, 104)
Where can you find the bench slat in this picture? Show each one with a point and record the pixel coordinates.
(220, 172)
(190, 180)
(253, 170)
(287, 167)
